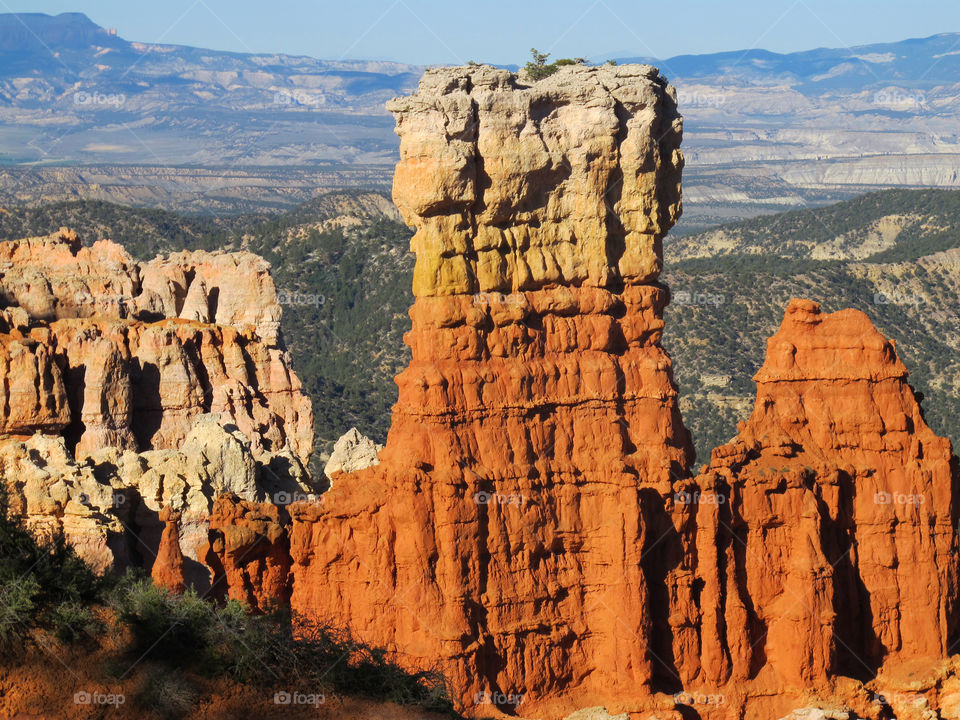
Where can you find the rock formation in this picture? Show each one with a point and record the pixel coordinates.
(57, 496)
(146, 348)
(168, 567)
(503, 532)
(130, 387)
(250, 552)
(532, 528)
(352, 452)
(821, 542)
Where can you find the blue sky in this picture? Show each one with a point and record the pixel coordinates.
(500, 31)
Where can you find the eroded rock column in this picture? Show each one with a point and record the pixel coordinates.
(820, 544)
(502, 537)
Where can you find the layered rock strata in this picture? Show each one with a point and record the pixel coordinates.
(532, 529)
(821, 542)
(130, 387)
(502, 535)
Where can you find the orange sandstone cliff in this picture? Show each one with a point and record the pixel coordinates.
(821, 542)
(532, 529)
(131, 387)
(503, 534)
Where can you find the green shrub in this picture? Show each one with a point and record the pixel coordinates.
(42, 585)
(166, 691)
(189, 633)
(537, 68)
(73, 622)
(169, 627)
(17, 610)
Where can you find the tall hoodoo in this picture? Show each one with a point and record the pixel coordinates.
(537, 429)
(830, 549)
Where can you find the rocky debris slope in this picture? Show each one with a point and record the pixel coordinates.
(503, 531)
(136, 390)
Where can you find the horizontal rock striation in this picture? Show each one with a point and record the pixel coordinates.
(821, 542)
(152, 388)
(502, 534)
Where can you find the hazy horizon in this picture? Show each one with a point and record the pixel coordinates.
(425, 32)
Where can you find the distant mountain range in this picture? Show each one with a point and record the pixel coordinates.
(764, 131)
(926, 63)
(71, 91)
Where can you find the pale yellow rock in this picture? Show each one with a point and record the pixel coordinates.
(352, 452)
(107, 505)
(225, 288)
(595, 713)
(816, 713)
(56, 277)
(515, 185)
(950, 699)
(53, 495)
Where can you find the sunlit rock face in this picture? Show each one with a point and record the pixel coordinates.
(132, 391)
(502, 535)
